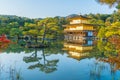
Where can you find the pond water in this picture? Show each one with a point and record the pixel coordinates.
(91, 60)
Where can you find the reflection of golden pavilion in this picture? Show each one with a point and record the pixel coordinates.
(77, 51)
(79, 29)
(77, 47)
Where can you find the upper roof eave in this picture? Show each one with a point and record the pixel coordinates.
(79, 17)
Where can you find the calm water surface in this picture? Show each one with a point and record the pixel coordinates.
(66, 61)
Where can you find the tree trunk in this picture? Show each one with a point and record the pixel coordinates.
(35, 52)
(43, 52)
(36, 39)
(44, 36)
(17, 38)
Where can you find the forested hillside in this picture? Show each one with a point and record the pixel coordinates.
(20, 26)
(51, 27)
(109, 24)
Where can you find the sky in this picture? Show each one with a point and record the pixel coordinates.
(52, 8)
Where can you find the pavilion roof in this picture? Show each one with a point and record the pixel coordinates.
(79, 17)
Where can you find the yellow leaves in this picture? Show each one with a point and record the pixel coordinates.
(108, 47)
(108, 34)
(116, 25)
(107, 23)
(109, 2)
(32, 25)
(33, 32)
(24, 32)
(100, 45)
(114, 29)
(119, 32)
(101, 32)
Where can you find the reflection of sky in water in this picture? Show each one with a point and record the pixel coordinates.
(90, 42)
(67, 68)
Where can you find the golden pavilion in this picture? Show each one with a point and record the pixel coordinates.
(79, 29)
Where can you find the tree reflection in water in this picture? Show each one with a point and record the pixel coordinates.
(105, 54)
(40, 59)
(110, 52)
(46, 66)
(3, 46)
(96, 70)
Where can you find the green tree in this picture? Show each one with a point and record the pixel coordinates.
(101, 33)
(31, 29)
(50, 28)
(15, 32)
(114, 29)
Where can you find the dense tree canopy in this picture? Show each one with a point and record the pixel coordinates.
(20, 26)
